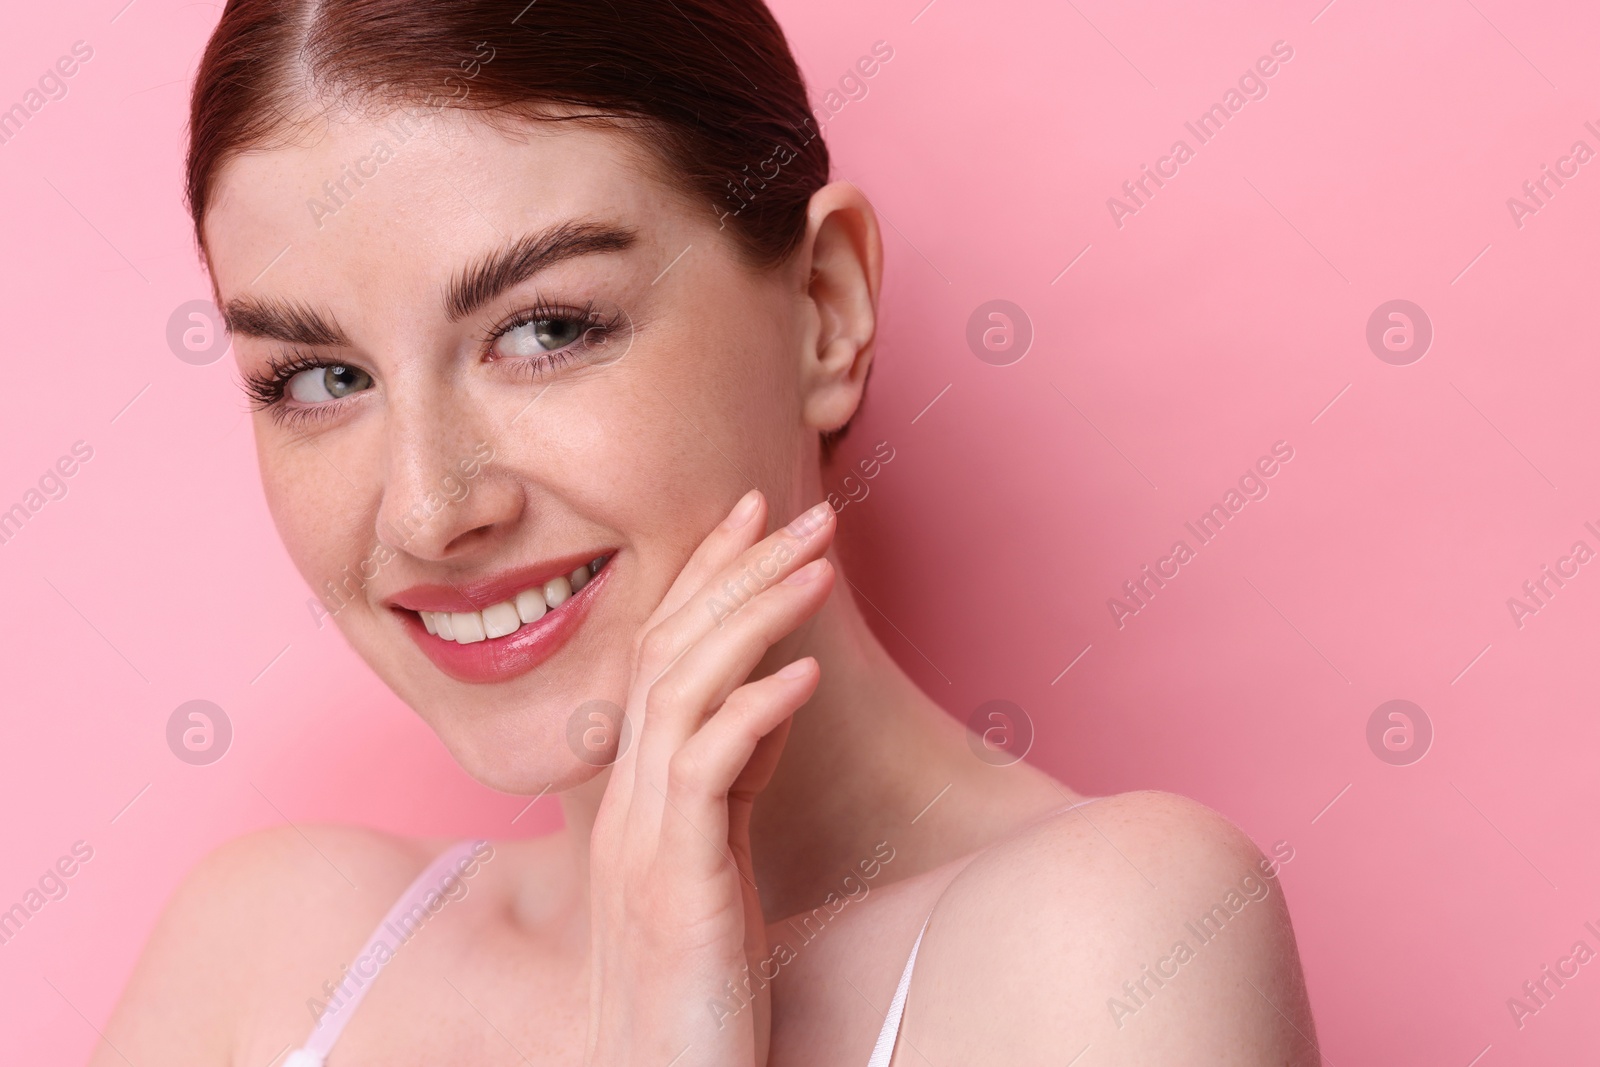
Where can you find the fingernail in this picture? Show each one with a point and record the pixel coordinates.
(809, 573)
(742, 511)
(811, 520)
(797, 668)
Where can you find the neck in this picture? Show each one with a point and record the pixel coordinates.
(870, 759)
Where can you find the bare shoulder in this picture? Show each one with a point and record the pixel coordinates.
(1144, 925)
(270, 910)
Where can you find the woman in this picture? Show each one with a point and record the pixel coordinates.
(549, 313)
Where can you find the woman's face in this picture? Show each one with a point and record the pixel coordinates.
(489, 358)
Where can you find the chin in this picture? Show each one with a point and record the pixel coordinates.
(544, 773)
(543, 713)
(550, 731)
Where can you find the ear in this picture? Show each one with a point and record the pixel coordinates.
(843, 253)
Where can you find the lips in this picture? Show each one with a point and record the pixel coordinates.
(490, 629)
(507, 616)
(478, 593)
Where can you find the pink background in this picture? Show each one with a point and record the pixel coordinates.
(1227, 314)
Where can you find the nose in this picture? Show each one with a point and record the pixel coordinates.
(442, 496)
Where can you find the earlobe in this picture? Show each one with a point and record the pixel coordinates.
(845, 250)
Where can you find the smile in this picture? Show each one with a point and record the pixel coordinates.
(495, 628)
(507, 617)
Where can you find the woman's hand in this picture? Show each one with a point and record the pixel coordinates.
(677, 926)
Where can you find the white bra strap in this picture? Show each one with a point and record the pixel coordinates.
(424, 896)
(884, 1049)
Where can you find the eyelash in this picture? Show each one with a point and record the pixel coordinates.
(267, 390)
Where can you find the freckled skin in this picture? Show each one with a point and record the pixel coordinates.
(643, 455)
(729, 377)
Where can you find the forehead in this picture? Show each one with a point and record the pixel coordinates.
(407, 199)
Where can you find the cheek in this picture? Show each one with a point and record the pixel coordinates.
(660, 448)
(316, 512)
(625, 457)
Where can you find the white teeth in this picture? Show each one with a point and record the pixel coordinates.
(506, 617)
(468, 626)
(500, 619)
(530, 605)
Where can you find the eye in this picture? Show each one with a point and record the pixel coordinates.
(318, 385)
(538, 336)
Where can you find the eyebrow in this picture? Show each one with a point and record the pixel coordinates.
(529, 254)
(280, 320)
(480, 282)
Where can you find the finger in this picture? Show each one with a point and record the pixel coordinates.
(678, 702)
(676, 705)
(741, 528)
(760, 565)
(737, 583)
(702, 772)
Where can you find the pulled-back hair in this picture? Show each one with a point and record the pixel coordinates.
(709, 85)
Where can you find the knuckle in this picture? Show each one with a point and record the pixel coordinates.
(655, 646)
(768, 611)
(660, 701)
(685, 772)
(748, 717)
(739, 703)
(778, 621)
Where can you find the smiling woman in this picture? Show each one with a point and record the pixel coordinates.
(655, 383)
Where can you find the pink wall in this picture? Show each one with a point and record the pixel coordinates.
(1169, 352)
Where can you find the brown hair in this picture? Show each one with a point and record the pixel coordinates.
(710, 85)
